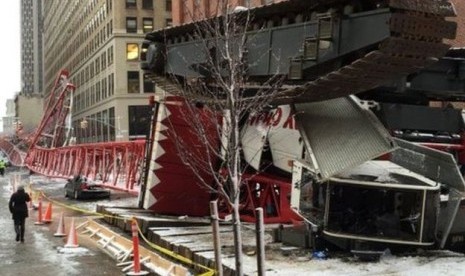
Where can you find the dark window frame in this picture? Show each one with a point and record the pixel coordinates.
(144, 20)
(130, 29)
(147, 4)
(133, 86)
(149, 86)
(131, 4)
(139, 120)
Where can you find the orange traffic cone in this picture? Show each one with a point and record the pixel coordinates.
(61, 227)
(48, 214)
(71, 241)
(135, 252)
(39, 213)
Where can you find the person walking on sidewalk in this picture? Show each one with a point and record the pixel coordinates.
(18, 208)
(2, 167)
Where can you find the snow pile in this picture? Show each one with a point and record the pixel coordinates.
(443, 263)
(78, 251)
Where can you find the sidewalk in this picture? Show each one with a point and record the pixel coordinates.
(42, 253)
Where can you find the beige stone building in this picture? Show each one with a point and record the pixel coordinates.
(28, 111)
(99, 42)
(186, 11)
(9, 118)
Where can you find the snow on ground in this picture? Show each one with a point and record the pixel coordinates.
(54, 188)
(78, 251)
(41, 241)
(433, 263)
(442, 263)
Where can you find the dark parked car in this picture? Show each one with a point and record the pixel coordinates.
(79, 188)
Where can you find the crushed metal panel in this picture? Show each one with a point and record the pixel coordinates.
(340, 134)
(438, 166)
(284, 139)
(450, 213)
(434, 164)
(253, 138)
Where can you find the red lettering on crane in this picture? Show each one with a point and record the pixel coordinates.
(272, 118)
(289, 123)
(277, 117)
(253, 120)
(267, 117)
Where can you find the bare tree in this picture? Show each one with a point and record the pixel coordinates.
(218, 102)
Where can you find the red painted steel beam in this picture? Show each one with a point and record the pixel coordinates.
(123, 159)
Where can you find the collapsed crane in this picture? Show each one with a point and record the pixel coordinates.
(324, 141)
(52, 152)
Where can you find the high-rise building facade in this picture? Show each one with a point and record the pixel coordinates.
(31, 46)
(99, 42)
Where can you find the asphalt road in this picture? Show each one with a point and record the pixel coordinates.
(42, 253)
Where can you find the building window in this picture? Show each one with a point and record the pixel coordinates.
(131, 24)
(110, 55)
(111, 85)
(97, 65)
(168, 5)
(132, 51)
(169, 22)
(131, 3)
(111, 116)
(91, 70)
(133, 81)
(108, 29)
(147, 4)
(98, 92)
(105, 125)
(147, 25)
(139, 120)
(149, 87)
(103, 58)
(104, 89)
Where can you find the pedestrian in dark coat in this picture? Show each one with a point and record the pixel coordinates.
(19, 210)
(2, 167)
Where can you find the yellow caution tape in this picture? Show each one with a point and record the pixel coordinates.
(174, 254)
(35, 194)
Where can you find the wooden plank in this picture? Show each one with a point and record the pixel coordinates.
(155, 259)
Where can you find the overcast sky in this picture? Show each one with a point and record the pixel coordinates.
(10, 76)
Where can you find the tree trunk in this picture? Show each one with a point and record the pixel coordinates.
(237, 238)
(260, 236)
(216, 237)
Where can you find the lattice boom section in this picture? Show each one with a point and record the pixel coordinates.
(116, 165)
(15, 155)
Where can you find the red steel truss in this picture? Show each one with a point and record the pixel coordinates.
(173, 189)
(113, 164)
(269, 192)
(117, 165)
(51, 130)
(14, 154)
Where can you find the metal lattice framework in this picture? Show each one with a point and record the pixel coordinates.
(117, 165)
(14, 154)
(114, 164)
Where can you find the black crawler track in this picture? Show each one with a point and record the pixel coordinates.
(417, 29)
